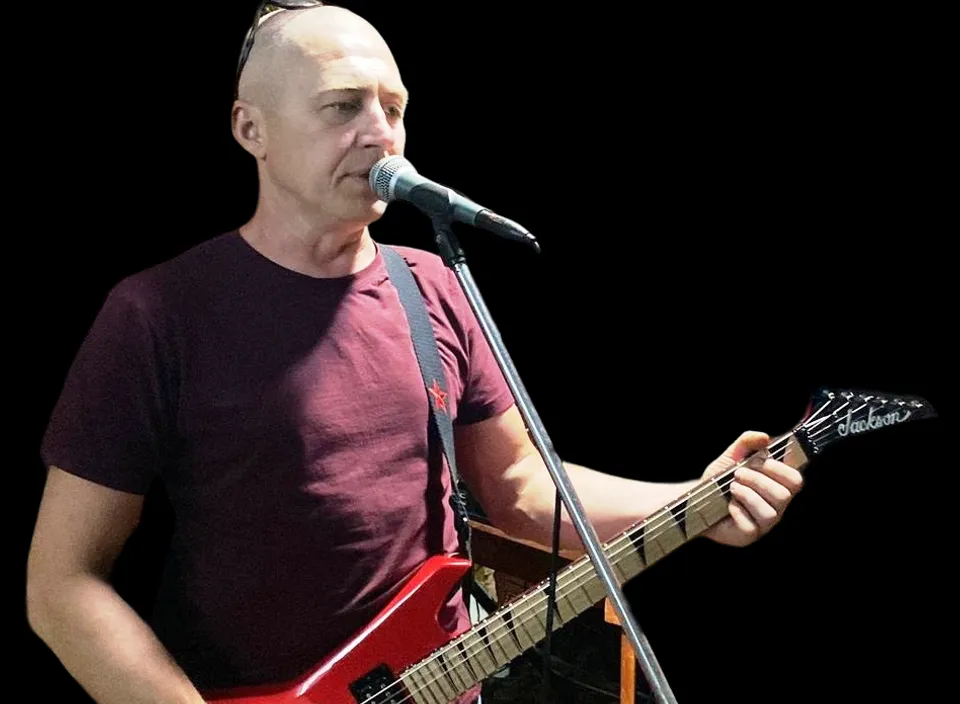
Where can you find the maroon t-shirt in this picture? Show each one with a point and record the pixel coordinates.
(287, 418)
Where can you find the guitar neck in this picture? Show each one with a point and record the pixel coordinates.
(519, 625)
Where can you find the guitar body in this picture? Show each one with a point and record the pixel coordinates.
(398, 637)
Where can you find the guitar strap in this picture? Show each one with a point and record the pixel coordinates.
(428, 357)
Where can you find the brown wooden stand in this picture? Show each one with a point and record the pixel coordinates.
(628, 661)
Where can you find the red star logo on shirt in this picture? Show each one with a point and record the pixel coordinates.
(439, 397)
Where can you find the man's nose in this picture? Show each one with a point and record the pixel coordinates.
(379, 130)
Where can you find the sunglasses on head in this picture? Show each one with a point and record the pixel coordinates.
(265, 8)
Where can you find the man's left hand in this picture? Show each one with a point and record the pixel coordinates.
(760, 493)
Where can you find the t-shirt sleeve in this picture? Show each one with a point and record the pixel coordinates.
(110, 420)
(485, 393)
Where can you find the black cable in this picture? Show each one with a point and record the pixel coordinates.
(551, 596)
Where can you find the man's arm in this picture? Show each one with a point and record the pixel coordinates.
(71, 605)
(507, 475)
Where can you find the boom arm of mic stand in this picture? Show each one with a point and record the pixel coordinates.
(455, 259)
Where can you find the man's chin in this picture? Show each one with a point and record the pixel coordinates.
(378, 208)
(364, 214)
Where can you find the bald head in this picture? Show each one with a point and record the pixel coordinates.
(320, 99)
(293, 46)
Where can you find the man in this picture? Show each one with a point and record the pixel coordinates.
(267, 378)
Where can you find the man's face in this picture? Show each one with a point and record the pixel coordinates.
(340, 111)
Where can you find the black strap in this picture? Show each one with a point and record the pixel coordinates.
(425, 346)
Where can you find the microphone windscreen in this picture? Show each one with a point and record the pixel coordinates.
(382, 175)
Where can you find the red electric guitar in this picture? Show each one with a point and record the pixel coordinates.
(403, 656)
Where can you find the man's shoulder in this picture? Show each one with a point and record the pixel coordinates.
(166, 282)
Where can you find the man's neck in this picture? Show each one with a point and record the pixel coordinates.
(311, 249)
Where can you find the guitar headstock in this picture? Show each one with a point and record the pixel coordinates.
(842, 413)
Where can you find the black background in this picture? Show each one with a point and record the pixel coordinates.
(734, 209)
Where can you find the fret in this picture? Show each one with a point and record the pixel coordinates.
(482, 655)
(568, 611)
(639, 544)
(629, 562)
(535, 622)
(793, 455)
(708, 511)
(505, 638)
(618, 568)
(559, 618)
(469, 663)
(594, 588)
(577, 596)
(531, 625)
(461, 668)
(438, 685)
(423, 692)
(664, 536)
(679, 511)
(707, 507)
(515, 628)
(440, 680)
(453, 672)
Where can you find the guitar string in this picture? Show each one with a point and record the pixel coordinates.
(574, 580)
(572, 583)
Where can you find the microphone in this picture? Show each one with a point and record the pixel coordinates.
(395, 178)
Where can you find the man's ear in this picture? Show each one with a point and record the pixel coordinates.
(249, 128)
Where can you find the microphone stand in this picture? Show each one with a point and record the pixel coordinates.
(441, 215)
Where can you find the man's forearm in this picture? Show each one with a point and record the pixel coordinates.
(105, 645)
(611, 503)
